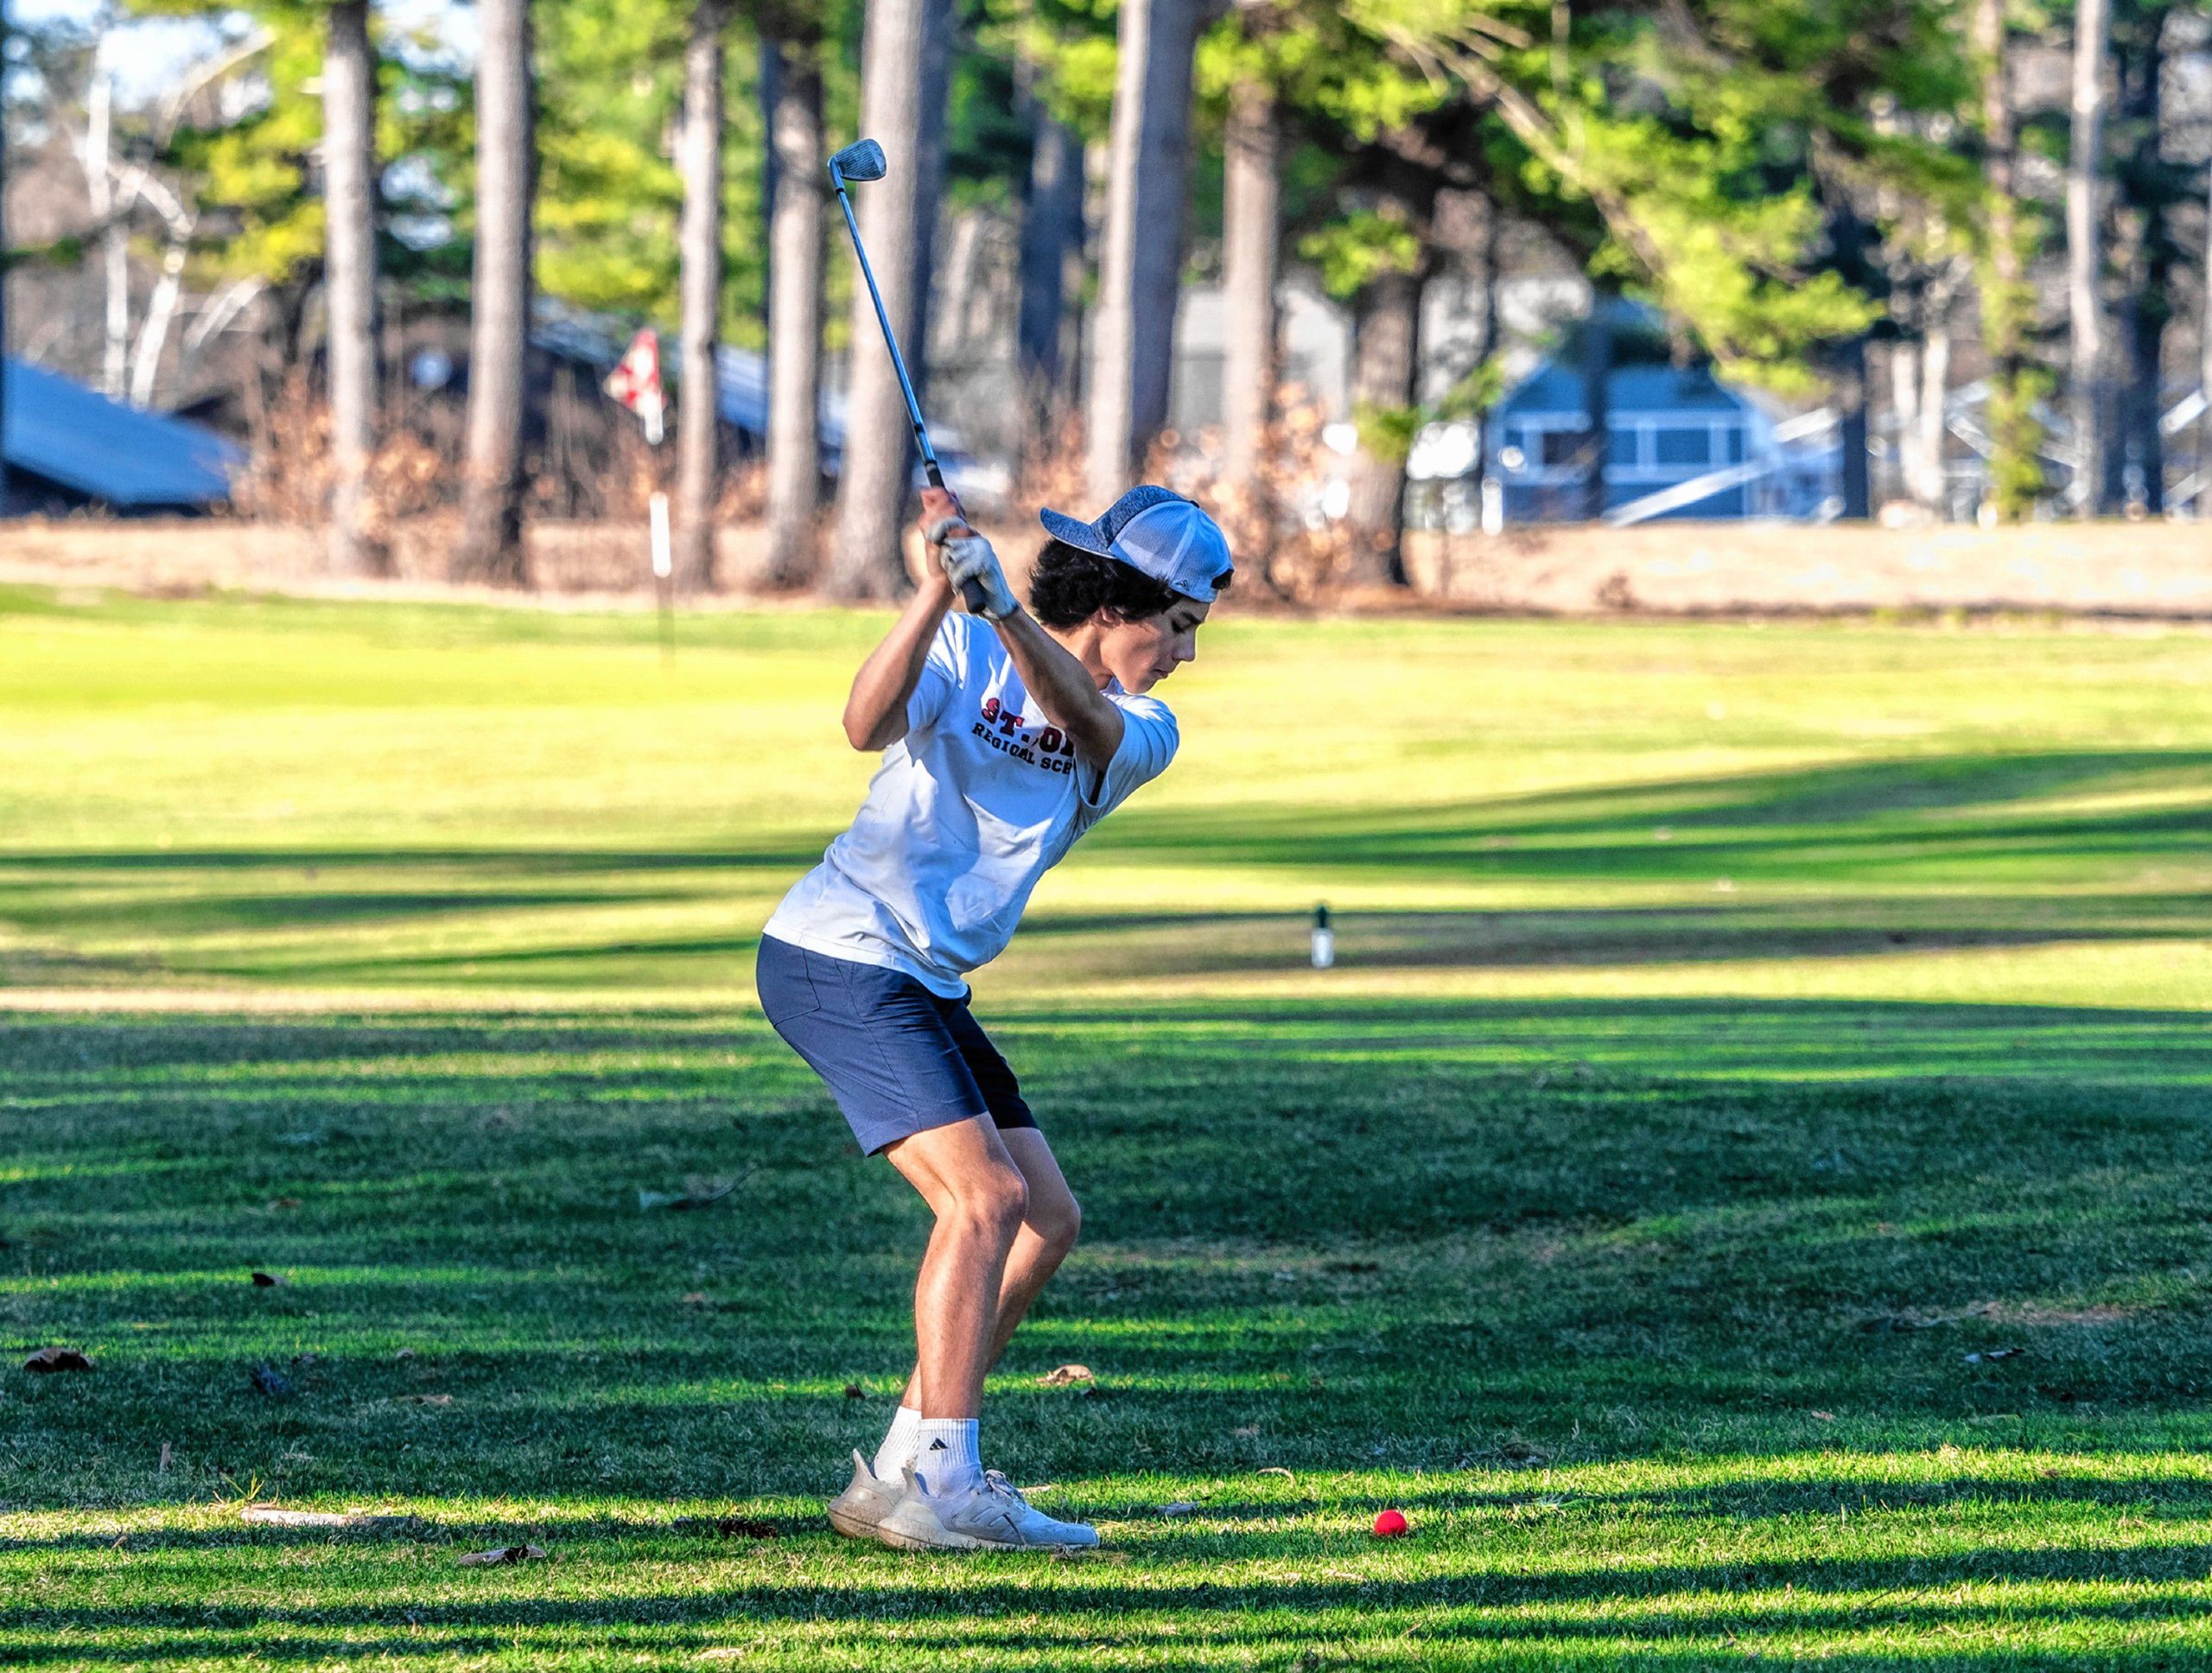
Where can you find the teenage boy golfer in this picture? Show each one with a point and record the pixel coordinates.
(1005, 736)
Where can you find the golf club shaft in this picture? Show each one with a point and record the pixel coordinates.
(972, 591)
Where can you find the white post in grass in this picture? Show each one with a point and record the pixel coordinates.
(1325, 939)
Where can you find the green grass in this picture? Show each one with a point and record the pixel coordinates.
(1742, 1034)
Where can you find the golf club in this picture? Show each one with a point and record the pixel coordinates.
(864, 160)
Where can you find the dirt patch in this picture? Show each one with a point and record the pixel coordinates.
(2151, 571)
(2148, 569)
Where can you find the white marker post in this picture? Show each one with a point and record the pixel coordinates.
(1325, 939)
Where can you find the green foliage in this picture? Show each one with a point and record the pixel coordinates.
(250, 180)
(2017, 477)
(1361, 247)
(610, 91)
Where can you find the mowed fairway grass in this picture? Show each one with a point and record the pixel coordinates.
(1746, 1193)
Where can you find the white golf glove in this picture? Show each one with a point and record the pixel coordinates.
(968, 556)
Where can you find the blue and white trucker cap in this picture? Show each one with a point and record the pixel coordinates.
(1157, 532)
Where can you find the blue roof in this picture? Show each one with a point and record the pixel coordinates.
(1557, 387)
(71, 435)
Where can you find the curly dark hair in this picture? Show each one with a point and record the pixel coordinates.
(1068, 586)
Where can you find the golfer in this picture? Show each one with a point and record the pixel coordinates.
(1005, 735)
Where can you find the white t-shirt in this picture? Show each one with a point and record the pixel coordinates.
(978, 799)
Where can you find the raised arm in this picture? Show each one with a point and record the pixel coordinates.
(875, 713)
(1064, 688)
(1053, 676)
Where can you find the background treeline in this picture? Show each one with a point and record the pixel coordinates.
(1786, 183)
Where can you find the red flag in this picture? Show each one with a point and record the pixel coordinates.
(635, 381)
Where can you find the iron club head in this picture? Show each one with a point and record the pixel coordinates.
(862, 160)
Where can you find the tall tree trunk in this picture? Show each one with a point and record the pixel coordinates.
(491, 534)
(795, 309)
(2085, 383)
(768, 89)
(1596, 449)
(873, 490)
(2141, 478)
(115, 237)
(699, 425)
(1251, 231)
(1854, 488)
(934, 71)
(1051, 226)
(2203, 502)
(1935, 394)
(1905, 412)
(349, 80)
(4, 271)
(1133, 327)
(1386, 364)
(2007, 300)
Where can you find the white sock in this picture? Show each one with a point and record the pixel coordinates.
(897, 1451)
(944, 1454)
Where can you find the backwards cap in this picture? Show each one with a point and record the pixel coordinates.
(1157, 532)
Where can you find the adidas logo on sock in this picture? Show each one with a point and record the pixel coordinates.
(938, 1447)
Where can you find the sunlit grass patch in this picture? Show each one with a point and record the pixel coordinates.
(1745, 1190)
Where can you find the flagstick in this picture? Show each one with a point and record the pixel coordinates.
(663, 560)
(635, 382)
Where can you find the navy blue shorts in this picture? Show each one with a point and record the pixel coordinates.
(900, 1059)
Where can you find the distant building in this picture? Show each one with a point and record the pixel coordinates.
(68, 448)
(1679, 443)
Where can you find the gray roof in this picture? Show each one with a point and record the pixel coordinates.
(78, 439)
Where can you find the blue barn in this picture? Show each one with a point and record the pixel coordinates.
(68, 446)
(1665, 426)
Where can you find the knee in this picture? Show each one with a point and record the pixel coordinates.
(994, 1201)
(1057, 1221)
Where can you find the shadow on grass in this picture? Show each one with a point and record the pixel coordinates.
(994, 1604)
(1316, 1236)
(2023, 867)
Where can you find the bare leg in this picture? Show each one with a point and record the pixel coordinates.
(1048, 1230)
(971, 1184)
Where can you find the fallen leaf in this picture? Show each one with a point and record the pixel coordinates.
(166, 1455)
(284, 1202)
(1277, 1469)
(270, 1381)
(1181, 1507)
(1994, 1353)
(404, 1353)
(1061, 1376)
(1824, 1417)
(696, 1297)
(502, 1554)
(855, 1391)
(53, 1359)
(115, 1544)
(1247, 1432)
(745, 1528)
(268, 1281)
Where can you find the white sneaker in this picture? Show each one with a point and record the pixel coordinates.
(992, 1514)
(865, 1501)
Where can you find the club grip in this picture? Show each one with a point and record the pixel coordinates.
(972, 591)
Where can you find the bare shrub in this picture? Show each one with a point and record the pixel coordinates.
(286, 478)
(1277, 527)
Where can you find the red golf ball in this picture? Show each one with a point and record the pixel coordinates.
(1389, 1524)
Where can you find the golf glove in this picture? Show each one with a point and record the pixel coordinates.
(968, 556)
